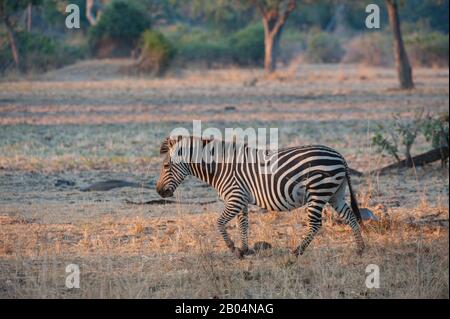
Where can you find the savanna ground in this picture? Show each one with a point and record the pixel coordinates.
(90, 122)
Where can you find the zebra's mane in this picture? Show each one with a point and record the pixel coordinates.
(170, 141)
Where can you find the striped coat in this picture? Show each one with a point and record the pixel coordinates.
(280, 181)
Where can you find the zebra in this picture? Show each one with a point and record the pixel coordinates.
(312, 175)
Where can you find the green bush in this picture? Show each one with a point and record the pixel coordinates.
(198, 48)
(323, 47)
(428, 49)
(118, 29)
(373, 48)
(195, 45)
(156, 52)
(38, 52)
(247, 45)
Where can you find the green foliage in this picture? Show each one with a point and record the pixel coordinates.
(193, 45)
(196, 45)
(121, 24)
(224, 16)
(247, 45)
(428, 48)
(161, 11)
(9, 7)
(313, 14)
(436, 130)
(39, 52)
(434, 12)
(402, 133)
(54, 13)
(209, 51)
(384, 144)
(156, 52)
(323, 47)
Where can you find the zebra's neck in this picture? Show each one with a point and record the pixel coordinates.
(204, 172)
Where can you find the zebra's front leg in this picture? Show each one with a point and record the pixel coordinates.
(230, 211)
(314, 224)
(243, 230)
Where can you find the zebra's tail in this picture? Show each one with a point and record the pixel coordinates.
(353, 201)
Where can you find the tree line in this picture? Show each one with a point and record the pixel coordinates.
(229, 15)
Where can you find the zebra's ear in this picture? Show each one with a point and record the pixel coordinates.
(166, 145)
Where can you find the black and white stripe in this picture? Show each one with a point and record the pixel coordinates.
(309, 175)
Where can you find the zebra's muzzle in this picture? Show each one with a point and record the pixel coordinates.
(164, 192)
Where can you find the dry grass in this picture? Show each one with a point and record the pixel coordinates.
(183, 257)
(88, 123)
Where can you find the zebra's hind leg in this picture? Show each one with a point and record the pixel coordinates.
(230, 211)
(315, 208)
(243, 230)
(346, 213)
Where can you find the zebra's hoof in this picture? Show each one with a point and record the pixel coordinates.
(360, 251)
(248, 251)
(297, 252)
(239, 253)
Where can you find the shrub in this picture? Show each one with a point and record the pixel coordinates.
(428, 49)
(323, 47)
(156, 52)
(400, 135)
(247, 45)
(202, 49)
(371, 49)
(39, 53)
(118, 29)
(436, 129)
(194, 45)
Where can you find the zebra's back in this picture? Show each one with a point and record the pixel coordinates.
(296, 174)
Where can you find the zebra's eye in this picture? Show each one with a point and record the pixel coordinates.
(166, 165)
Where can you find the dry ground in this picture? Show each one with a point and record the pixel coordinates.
(90, 122)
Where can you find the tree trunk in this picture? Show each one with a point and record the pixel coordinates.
(12, 42)
(89, 12)
(269, 58)
(272, 35)
(401, 58)
(273, 21)
(29, 17)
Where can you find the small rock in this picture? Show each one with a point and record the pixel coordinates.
(64, 182)
(366, 214)
(230, 108)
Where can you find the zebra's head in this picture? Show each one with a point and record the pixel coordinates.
(173, 172)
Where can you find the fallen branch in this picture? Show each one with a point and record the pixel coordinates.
(419, 160)
(111, 184)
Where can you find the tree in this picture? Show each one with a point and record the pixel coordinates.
(274, 15)
(91, 6)
(401, 57)
(29, 16)
(8, 15)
